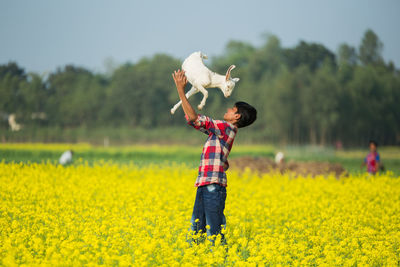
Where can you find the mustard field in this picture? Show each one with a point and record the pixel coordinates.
(124, 214)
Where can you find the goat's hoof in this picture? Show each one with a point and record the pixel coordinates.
(200, 107)
(172, 111)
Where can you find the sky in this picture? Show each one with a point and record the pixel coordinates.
(43, 35)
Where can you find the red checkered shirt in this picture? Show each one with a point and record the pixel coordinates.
(214, 159)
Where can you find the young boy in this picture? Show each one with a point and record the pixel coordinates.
(372, 160)
(211, 182)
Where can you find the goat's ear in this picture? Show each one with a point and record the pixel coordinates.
(228, 72)
(235, 80)
(203, 55)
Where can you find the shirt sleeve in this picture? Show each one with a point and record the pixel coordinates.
(208, 125)
(197, 127)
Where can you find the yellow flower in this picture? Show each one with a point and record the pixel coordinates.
(128, 215)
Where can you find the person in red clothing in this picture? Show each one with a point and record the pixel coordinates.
(211, 181)
(372, 160)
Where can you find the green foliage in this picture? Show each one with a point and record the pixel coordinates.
(12, 80)
(371, 49)
(347, 55)
(304, 95)
(190, 155)
(313, 55)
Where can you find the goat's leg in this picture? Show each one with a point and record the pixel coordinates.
(189, 93)
(205, 96)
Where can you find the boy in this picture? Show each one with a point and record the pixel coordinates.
(211, 182)
(372, 160)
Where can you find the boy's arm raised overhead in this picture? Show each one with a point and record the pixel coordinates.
(180, 82)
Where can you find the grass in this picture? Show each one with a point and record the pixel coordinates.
(351, 160)
(190, 155)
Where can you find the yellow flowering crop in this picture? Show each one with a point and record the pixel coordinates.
(127, 215)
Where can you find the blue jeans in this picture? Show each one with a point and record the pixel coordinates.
(209, 209)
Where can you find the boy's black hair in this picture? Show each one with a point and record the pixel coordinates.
(248, 114)
(373, 142)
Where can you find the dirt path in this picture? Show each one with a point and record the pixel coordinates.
(265, 165)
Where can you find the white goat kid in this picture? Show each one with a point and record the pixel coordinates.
(201, 78)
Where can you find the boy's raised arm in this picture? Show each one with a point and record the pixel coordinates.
(180, 82)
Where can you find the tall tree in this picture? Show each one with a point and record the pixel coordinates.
(311, 54)
(35, 96)
(267, 60)
(370, 51)
(347, 55)
(12, 79)
(142, 94)
(75, 96)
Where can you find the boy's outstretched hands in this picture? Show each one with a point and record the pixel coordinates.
(180, 80)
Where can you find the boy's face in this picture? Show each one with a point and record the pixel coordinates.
(231, 115)
(372, 147)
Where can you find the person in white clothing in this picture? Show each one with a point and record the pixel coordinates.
(279, 158)
(66, 157)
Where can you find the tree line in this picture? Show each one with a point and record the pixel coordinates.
(305, 94)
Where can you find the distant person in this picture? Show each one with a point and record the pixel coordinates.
(372, 160)
(66, 157)
(279, 158)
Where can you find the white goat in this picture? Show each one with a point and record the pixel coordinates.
(201, 78)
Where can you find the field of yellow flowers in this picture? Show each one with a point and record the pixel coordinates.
(123, 214)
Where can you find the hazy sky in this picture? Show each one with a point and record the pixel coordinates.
(42, 35)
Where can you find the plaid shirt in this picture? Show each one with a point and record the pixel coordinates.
(214, 159)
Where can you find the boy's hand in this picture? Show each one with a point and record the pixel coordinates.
(180, 80)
